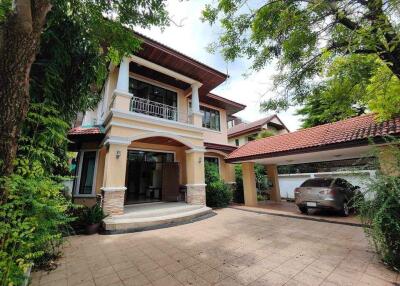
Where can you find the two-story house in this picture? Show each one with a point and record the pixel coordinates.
(239, 133)
(155, 126)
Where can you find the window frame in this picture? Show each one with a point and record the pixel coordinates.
(152, 85)
(237, 142)
(81, 154)
(212, 113)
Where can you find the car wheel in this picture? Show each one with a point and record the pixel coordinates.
(303, 210)
(345, 209)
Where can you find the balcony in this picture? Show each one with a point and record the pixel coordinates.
(156, 109)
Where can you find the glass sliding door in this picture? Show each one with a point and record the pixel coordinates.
(145, 175)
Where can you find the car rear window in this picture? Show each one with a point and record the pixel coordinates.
(320, 183)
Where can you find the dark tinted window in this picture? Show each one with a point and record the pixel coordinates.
(151, 92)
(211, 118)
(342, 183)
(320, 183)
(87, 173)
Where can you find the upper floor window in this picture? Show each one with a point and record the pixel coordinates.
(237, 142)
(211, 118)
(151, 92)
(153, 100)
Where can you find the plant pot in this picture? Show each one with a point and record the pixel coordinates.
(92, 228)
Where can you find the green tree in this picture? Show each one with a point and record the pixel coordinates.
(352, 85)
(21, 25)
(265, 134)
(305, 37)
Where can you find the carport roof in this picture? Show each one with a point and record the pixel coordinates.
(345, 133)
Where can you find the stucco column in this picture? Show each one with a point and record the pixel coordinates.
(196, 188)
(113, 189)
(272, 174)
(197, 116)
(389, 160)
(249, 184)
(121, 96)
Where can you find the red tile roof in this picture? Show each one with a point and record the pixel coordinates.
(244, 128)
(81, 130)
(342, 132)
(220, 147)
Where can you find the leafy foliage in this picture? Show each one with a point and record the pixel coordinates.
(304, 37)
(265, 134)
(33, 220)
(353, 85)
(218, 194)
(238, 193)
(259, 170)
(94, 215)
(80, 40)
(380, 212)
(35, 213)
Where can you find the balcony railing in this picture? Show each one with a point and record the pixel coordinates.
(156, 109)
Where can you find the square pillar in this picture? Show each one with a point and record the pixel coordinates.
(121, 96)
(113, 189)
(196, 115)
(196, 188)
(249, 184)
(272, 174)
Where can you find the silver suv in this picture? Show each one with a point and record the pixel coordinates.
(326, 193)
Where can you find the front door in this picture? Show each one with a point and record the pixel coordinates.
(149, 175)
(170, 182)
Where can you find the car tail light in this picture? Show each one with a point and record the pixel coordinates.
(297, 191)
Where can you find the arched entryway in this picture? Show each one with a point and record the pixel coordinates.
(157, 168)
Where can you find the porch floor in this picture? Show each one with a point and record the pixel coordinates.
(154, 215)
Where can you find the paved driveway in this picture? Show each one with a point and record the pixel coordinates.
(232, 248)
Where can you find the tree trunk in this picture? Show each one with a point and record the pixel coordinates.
(19, 43)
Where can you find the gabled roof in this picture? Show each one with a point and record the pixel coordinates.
(172, 59)
(349, 132)
(244, 128)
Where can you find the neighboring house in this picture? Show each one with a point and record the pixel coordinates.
(155, 126)
(240, 133)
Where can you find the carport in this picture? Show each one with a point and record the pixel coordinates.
(357, 137)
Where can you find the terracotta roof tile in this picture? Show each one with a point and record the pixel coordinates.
(90, 130)
(357, 128)
(244, 127)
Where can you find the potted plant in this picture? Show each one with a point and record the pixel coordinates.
(93, 218)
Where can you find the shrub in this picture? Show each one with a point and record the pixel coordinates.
(218, 194)
(380, 212)
(94, 215)
(33, 221)
(238, 195)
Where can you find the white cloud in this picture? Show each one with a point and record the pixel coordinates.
(192, 38)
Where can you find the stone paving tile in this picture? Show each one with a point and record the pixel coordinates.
(232, 248)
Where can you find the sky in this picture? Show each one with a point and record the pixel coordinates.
(191, 37)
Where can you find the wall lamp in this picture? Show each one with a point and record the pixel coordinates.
(118, 154)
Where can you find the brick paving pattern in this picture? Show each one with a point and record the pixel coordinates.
(233, 248)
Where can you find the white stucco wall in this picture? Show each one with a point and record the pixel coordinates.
(288, 182)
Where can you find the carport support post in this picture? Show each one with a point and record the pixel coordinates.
(272, 174)
(249, 184)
